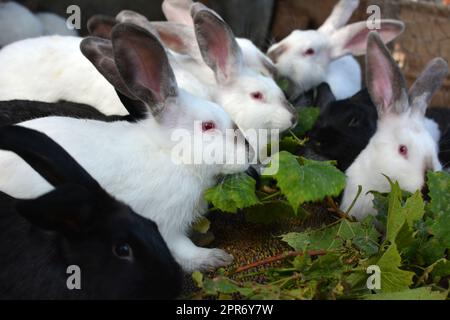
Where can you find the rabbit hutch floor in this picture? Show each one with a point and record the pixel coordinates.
(251, 243)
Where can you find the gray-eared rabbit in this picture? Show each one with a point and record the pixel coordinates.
(402, 148)
(345, 127)
(152, 163)
(120, 254)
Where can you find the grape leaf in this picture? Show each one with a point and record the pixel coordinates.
(302, 180)
(439, 186)
(307, 117)
(233, 193)
(362, 235)
(393, 279)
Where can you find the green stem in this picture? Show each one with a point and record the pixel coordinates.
(354, 201)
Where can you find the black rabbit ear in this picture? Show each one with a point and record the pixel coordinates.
(430, 81)
(144, 66)
(101, 26)
(69, 209)
(324, 95)
(45, 156)
(100, 53)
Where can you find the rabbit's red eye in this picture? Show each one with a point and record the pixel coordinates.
(257, 95)
(123, 251)
(208, 126)
(309, 52)
(403, 150)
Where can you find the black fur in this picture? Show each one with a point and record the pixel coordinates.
(17, 111)
(79, 224)
(345, 127)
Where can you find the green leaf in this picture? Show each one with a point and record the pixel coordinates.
(307, 119)
(202, 225)
(283, 83)
(393, 279)
(302, 180)
(197, 276)
(423, 293)
(362, 234)
(233, 193)
(439, 186)
(399, 214)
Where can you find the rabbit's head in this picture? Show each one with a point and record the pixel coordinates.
(253, 100)
(187, 127)
(403, 147)
(120, 254)
(304, 56)
(344, 127)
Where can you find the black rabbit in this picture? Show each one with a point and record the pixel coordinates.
(121, 255)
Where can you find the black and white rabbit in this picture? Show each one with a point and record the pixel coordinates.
(121, 255)
(345, 127)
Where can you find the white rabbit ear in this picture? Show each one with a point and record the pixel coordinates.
(101, 26)
(143, 65)
(217, 43)
(341, 14)
(427, 84)
(179, 38)
(178, 11)
(385, 81)
(128, 16)
(352, 39)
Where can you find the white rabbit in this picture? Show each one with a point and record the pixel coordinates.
(311, 57)
(178, 11)
(253, 100)
(402, 148)
(18, 23)
(140, 162)
(60, 72)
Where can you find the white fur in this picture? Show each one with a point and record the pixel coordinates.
(133, 162)
(255, 74)
(53, 68)
(329, 62)
(381, 157)
(17, 23)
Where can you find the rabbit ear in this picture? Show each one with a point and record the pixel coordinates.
(68, 210)
(178, 11)
(324, 95)
(143, 65)
(341, 14)
(217, 43)
(352, 39)
(179, 38)
(101, 26)
(427, 84)
(385, 81)
(128, 16)
(100, 53)
(45, 156)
